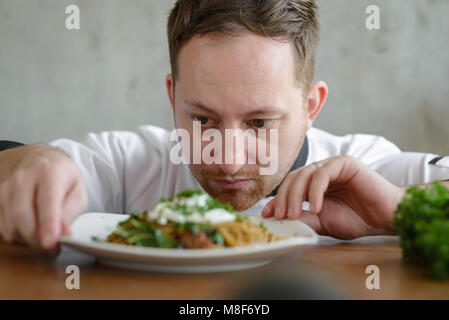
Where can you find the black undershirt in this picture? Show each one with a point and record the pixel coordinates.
(9, 145)
(299, 162)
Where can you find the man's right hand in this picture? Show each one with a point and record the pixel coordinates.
(42, 191)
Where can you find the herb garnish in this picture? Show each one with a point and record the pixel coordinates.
(177, 203)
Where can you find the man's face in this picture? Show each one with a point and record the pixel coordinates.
(244, 82)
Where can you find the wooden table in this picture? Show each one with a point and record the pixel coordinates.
(28, 274)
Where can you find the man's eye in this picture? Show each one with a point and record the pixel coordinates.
(202, 120)
(260, 123)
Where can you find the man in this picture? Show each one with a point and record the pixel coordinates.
(236, 65)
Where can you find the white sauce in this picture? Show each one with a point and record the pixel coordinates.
(163, 214)
(196, 200)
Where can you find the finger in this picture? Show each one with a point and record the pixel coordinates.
(54, 251)
(320, 184)
(18, 215)
(74, 204)
(280, 201)
(23, 213)
(268, 211)
(2, 211)
(50, 195)
(1, 223)
(298, 190)
(7, 226)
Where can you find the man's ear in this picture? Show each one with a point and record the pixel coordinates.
(169, 83)
(315, 101)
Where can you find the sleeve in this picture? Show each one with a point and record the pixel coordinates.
(383, 156)
(400, 168)
(100, 160)
(412, 168)
(366, 148)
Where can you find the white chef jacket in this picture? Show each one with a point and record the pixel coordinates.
(130, 171)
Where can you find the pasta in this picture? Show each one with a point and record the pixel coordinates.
(190, 220)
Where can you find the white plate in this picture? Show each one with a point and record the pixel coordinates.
(101, 225)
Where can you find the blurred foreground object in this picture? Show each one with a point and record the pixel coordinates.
(287, 284)
(422, 221)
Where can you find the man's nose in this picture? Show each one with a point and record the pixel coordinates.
(231, 169)
(234, 153)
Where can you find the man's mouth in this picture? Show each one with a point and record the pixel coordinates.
(231, 184)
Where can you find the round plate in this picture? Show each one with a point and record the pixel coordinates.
(100, 225)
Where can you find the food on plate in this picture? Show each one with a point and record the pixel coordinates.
(192, 220)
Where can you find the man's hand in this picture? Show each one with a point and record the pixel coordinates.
(347, 199)
(41, 192)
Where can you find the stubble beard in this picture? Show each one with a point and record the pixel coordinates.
(244, 198)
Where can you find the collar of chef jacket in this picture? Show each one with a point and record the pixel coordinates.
(299, 162)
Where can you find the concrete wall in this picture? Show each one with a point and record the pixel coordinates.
(110, 74)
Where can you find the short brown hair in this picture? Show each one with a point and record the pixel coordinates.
(293, 21)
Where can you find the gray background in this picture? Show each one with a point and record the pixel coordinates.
(110, 74)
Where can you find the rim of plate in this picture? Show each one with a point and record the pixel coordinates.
(190, 253)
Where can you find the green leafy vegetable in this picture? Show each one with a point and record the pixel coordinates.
(138, 232)
(213, 203)
(163, 240)
(217, 238)
(422, 221)
(192, 227)
(188, 193)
